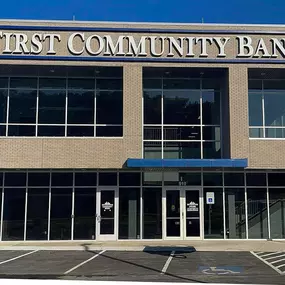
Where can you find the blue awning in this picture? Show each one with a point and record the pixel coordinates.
(183, 163)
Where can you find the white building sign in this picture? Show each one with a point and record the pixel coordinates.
(186, 46)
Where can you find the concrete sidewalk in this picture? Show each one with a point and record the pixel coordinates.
(139, 245)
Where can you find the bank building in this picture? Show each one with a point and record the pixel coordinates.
(141, 131)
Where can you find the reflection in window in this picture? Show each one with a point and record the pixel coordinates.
(255, 109)
(152, 150)
(213, 215)
(181, 107)
(152, 213)
(257, 213)
(183, 112)
(235, 214)
(80, 107)
(211, 107)
(129, 213)
(52, 107)
(22, 106)
(211, 149)
(266, 101)
(277, 212)
(109, 107)
(182, 150)
(63, 106)
(3, 105)
(152, 107)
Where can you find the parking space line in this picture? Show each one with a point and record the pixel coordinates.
(273, 262)
(269, 254)
(84, 262)
(17, 257)
(267, 263)
(167, 263)
(282, 265)
(277, 256)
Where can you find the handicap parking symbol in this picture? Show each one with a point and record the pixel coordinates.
(220, 270)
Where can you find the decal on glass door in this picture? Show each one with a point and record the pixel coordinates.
(192, 207)
(107, 206)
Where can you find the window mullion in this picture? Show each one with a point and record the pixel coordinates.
(263, 111)
(162, 119)
(37, 105)
(66, 107)
(95, 105)
(8, 106)
(201, 121)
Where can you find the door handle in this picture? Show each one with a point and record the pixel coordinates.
(98, 218)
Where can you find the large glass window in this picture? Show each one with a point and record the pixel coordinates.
(129, 213)
(37, 214)
(213, 215)
(266, 99)
(61, 209)
(14, 217)
(90, 106)
(277, 212)
(181, 114)
(152, 213)
(235, 213)
(84, 213)
(257, 213)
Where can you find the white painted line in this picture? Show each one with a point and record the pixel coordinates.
(93, 282)
(267, 263)
(167, 262)
(279, 266)
(17, 257)
(84, 262)
(273, 262)
(273, 257)
(272, 253)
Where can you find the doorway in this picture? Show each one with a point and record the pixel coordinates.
(182, 213)
(107, 213)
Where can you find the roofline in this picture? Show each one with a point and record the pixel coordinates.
(141, 23)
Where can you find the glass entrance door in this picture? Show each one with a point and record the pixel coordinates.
(182, 212)
(192, 213)
(107, 213)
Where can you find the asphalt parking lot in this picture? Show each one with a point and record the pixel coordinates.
(152, 264)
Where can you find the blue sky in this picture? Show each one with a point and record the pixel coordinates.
(187, 11)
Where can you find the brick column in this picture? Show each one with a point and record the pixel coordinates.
(133, 111)
(238, 111)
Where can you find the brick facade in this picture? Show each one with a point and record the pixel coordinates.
(112, 153)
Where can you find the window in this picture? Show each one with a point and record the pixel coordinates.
(266, 100)
(63, 106)
(181, 115)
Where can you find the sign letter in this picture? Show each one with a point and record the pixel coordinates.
(51, 38)
(37, 45)
(136, 49)
(100, 45)
(244, 44)
(221, 43)
(70, 43)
